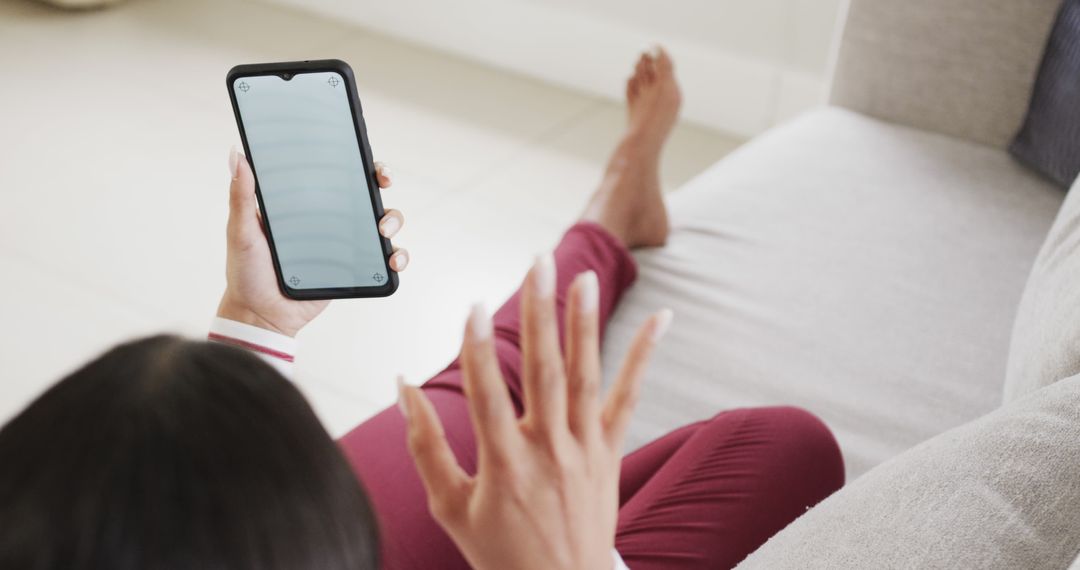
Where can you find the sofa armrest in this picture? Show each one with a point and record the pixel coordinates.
(998, 493)
(959, 67)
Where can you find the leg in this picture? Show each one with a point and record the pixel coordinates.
(585, 246)
(629, 202)
(376, 449)
(733, 482)
(640, 466)
(626, 211)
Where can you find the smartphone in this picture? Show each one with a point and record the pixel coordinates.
(304, 135)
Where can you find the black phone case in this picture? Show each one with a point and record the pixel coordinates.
(295, 68)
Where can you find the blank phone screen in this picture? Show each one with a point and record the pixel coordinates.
(304, 149)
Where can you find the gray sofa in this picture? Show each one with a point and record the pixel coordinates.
(867, 261)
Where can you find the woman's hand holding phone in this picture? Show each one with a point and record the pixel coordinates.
(251, 294)
(545, 494)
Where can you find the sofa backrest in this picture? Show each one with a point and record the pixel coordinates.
(960, 67)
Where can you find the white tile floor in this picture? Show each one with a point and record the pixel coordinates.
(114, 133)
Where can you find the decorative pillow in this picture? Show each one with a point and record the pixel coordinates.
(1049, 141)
(1046, 335)
(998, 493)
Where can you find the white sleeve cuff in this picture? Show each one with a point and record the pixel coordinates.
(619, 564)
(275, 348)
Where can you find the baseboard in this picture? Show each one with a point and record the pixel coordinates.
(728, 92)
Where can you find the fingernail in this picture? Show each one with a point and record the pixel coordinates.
(654, 51)
(385, 171)
(589, 291)
(663, 322)
(479, 323)
(402, 399)
(401, 260)
(544, 275)
(390, 226)
(234, 160)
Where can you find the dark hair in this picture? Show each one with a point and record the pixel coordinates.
(166, 453)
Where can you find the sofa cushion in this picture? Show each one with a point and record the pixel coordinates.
(998, 493)
(1046, 337)
(1050, 139)
(867, 272)
(959, 67)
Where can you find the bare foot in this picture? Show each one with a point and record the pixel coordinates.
(629, 202)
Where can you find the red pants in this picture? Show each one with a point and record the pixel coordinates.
(703, 496)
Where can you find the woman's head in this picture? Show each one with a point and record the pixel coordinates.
(166, 453)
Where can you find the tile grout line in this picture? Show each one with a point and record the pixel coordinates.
(137, 308)
(518, 151)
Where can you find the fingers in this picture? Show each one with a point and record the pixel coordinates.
(391, 223)
(544, 377)
(490, 408)
(392, 220)
(399, 260)
(624, 391)
(583, 355)
(444, 480)
(384, 175)
(244, 227)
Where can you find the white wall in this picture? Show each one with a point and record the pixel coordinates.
(744, 64)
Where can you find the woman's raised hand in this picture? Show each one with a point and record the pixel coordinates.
(545, 494)
(251, 294)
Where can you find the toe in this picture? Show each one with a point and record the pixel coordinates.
(639, 69)
(649, 71)
(664, 64)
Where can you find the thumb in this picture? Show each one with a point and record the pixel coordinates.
(243, 207)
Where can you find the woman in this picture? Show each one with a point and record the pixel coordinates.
(166, 453)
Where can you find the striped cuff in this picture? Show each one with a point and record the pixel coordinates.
(275, 348)
(619, 564)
